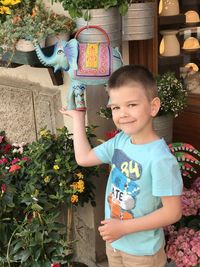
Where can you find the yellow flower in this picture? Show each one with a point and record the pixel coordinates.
(80, 175)
(56, 167)
(74, 198)
(5, 10)
(43, 133)
(10, 2)
(47, 179)
(80, 186)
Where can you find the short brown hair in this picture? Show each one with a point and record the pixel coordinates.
(134, 74)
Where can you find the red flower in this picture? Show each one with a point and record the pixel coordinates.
(55, 264)
(6, 148)
(25, 159)
(13, 168)
(3, 160)
(111, 134)
(3, 188)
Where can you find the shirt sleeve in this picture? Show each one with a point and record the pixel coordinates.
(105, 151)
(166, 177)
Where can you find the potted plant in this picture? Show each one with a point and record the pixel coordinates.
(29, 21)
(62, 27)
(138, 22)
(105, 14)
(35, 181)
(80, 8)
(173, 96)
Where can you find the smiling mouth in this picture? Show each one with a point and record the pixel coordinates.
(127, 122)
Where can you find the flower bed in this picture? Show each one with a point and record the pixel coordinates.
(35, 180)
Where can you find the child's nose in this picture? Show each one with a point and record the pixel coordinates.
(123, 112)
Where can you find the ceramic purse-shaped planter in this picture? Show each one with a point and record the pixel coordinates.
(86, 64)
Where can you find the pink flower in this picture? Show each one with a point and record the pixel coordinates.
(3, 160)
(15, 160)
(13, 168)
(55, 264)
(196, 185)
(183, 247)
(1, 138)
(3, 188)
(190, 202)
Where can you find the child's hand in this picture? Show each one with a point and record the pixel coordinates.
(72, 113)
(111, 229)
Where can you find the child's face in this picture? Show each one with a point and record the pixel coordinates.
(132, 111)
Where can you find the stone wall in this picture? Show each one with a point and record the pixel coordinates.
(26, 107)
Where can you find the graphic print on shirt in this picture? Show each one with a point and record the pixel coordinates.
(125, 172)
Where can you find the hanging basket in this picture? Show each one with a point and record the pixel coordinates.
(138, 23)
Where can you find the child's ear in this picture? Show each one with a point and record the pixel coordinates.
(155, 106)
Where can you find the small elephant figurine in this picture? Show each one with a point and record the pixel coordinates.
(86, 64)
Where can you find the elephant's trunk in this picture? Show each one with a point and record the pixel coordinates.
(43, 59)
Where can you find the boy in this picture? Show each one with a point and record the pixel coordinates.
(145, 184)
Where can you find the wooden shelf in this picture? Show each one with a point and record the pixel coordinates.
(170, 64)
(30, 58)
(171, 22)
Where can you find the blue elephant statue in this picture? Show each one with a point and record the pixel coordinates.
(86, 64)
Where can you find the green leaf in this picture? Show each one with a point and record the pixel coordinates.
(37, 254)
(39, 237)
(18, 246)
(36, 207)
(26, 255)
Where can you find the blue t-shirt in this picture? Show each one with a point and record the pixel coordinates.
(140, 175)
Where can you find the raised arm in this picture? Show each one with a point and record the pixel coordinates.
(84, 153)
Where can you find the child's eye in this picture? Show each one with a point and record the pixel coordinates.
(132, 105)
(114, 108)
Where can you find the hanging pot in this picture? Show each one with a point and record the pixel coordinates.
(138, 23)
(109, 20)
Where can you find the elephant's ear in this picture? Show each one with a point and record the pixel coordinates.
(71, 52)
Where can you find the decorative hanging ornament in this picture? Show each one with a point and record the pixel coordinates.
(169, 7)
(169, 45)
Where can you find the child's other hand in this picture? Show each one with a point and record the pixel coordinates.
(111, 229)
(72, 113)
